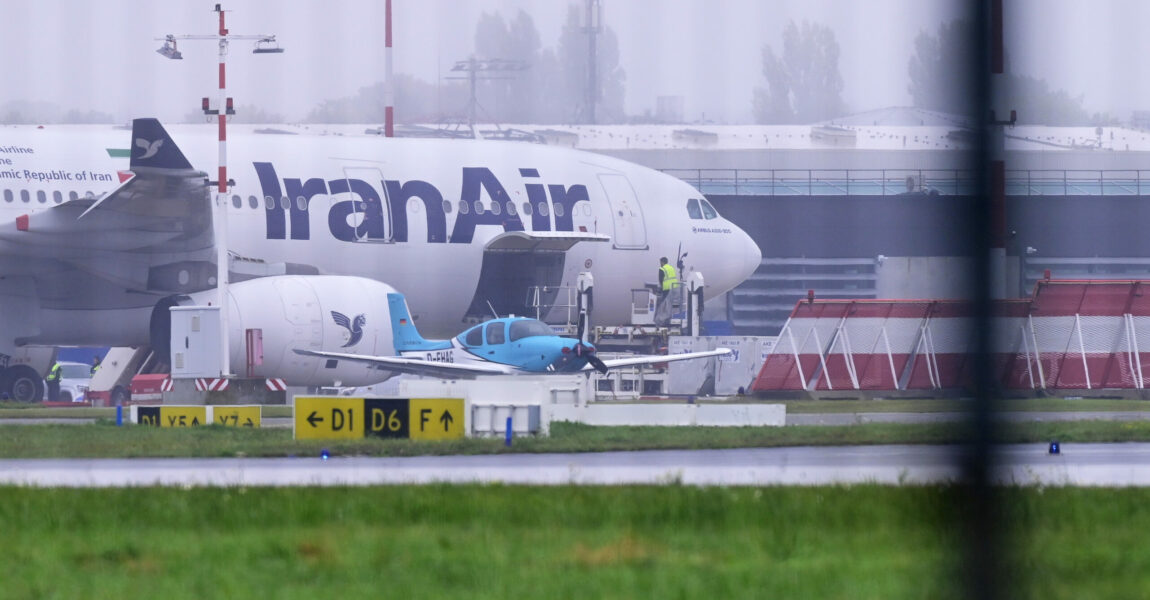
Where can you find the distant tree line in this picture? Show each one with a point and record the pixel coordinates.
(942, 73)
(551, 89)
(23, 113)
(804, 84)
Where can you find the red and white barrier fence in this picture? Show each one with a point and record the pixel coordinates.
(1068, 335)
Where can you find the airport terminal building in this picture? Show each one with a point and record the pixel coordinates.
(866, 207)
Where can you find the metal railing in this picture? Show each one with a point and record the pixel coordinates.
(892, 182)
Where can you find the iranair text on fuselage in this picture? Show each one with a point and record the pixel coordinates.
(376, 209)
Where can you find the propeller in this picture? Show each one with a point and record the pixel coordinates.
(598, 364)
(583, 348)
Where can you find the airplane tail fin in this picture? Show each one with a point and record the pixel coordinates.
(405, 336)
(153, 147)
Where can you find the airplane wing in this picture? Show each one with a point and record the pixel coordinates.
(655, 359)
(414, 366)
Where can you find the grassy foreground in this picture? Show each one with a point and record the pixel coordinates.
(557, 542)
(105, 440)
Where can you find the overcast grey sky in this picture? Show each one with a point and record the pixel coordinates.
(100, 55)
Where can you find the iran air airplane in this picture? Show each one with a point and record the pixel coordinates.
(102, 230)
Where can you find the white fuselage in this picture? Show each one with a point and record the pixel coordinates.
(417, 214)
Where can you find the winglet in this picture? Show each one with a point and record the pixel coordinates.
(405, 335)
(153, 147)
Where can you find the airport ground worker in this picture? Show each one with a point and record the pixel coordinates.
(668, 281)
(53, 381)
(95, 364)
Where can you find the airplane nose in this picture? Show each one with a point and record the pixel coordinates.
(731, 262)
(752, 257)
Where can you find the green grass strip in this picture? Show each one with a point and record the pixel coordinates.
(105, 440)
(498, 542)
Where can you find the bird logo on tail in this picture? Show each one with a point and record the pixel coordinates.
(150, 148)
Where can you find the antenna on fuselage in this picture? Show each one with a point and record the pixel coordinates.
(492, 309)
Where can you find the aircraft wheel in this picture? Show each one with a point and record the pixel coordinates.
(22, 384)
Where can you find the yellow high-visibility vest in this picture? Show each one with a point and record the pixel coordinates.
(54, 373)
(670, 280)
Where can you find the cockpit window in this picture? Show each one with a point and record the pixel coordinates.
(693, 209)
(709, 211)
(473, 337)
(528, 328)
(495, 333)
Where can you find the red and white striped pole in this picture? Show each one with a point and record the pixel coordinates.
(389, 85)
(222, 207)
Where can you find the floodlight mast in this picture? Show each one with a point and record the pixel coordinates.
(224, 109)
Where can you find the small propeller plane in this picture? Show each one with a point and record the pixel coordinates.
(501, 346)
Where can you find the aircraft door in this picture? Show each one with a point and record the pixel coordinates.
(370, 213)
(626, 213)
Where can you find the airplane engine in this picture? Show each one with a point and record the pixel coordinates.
(271, 316)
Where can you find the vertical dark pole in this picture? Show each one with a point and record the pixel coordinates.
(507, 437)
(978, 508)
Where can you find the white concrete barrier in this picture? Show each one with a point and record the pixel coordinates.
(671, 415)
(533, 402)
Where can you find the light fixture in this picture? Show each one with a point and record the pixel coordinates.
(267, 45)
(169, 50)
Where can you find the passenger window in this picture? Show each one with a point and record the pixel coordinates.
(301, 203)
(558, 210)
(496, 208)
(709, 211)
(285, 203)
(447, 207)
(237, 201)
(474, 337)
(543, 209)
(495, 333)
(57, 197)
(478, 207)
(24, 197)
(41, 197)
(693, 209)
(269, 202)
(527, 208)
(7, 195)
(464, 208)
(511, 208)
(73, 196)
(253, 202)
